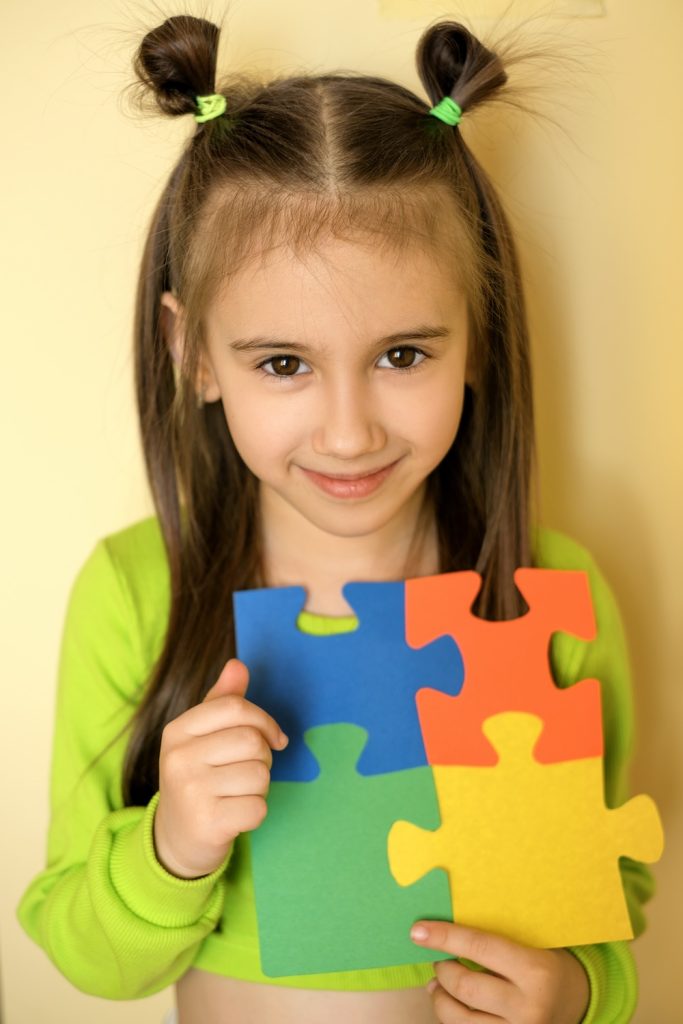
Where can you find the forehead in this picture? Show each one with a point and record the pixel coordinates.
(383, 247)
(353, 280)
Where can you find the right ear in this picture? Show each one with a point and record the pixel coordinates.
(170, 316)
(170, 326)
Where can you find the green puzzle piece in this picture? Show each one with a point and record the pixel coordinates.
(325, 897)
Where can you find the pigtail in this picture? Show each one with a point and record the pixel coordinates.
(175, 63)
(452, 62)
(482, 489)
(202, 490)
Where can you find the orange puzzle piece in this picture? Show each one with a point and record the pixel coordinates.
(507, 666)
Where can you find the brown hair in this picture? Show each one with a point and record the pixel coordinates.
(290, 159)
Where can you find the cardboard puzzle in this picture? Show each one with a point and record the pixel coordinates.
(368, 677)
(530, 849)
(330, 873)
(435, 769)
(506, 665)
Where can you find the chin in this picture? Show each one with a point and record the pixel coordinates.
(352, 520)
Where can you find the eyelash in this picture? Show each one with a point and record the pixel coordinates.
(398, 369)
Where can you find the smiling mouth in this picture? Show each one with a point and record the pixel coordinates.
(349, 477)
(350, 487)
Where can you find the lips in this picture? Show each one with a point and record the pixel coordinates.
(349, 485)
(349, 476)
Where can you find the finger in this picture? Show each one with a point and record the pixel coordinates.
(241, 813)
(234, 678)
(230, 746)
(450, 1011)
(246, 778)
(229, 710)
(476, 989)
(505, 957)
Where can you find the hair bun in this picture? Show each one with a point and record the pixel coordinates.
(453, 62)
(177, 61)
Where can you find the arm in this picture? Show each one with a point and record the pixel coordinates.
(106, 912)
(609, 965)
(517, 982)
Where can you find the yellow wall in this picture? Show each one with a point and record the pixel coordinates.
(599, 216)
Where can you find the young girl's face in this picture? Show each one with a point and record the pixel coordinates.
(342, 379)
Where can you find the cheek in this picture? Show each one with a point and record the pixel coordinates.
(263, 431)
(436, 416)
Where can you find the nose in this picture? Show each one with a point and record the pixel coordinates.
(348, 421)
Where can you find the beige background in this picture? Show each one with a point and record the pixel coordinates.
(599, 220)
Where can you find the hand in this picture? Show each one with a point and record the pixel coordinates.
(520, 984)
(214, 774)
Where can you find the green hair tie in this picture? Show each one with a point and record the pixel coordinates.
(210, 106)
(447, 110)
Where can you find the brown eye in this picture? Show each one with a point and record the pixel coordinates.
(401, 358)
(284, 366)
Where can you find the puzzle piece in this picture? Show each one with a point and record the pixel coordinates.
(325, 898)
(507, 665)
(368, 676)
(530, 849)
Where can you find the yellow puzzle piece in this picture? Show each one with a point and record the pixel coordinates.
(530, 849)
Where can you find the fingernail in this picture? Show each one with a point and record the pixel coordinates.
(432, 985)
(283, 739)
(418, 932)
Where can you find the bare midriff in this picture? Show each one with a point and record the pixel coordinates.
(204, 997)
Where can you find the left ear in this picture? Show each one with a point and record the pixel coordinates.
(471, 374)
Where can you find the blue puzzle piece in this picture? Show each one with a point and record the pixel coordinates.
(368, 677)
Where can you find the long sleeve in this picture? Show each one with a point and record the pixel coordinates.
(609, 965)
(106, 912)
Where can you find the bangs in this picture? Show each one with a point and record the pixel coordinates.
(242, 226)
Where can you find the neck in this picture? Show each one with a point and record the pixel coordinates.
(298, 553)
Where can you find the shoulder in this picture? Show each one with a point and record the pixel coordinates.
(138, 549)
(125, 583)
(552, 549)
(135, 555)
(605, 658)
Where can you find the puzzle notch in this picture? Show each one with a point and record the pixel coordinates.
(368, 676)
(507, 665)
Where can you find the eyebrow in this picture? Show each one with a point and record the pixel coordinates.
(423, 332)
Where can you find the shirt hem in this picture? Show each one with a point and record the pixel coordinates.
(244, 966)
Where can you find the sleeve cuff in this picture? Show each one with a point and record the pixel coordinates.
(149, 890)
(613, 982)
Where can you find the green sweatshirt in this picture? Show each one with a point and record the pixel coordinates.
(106, 912)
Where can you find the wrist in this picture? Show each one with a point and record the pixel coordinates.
(163, 854)
(182, 869)
(575, 987)
(143, 885)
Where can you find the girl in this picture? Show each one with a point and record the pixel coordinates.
(333, 382)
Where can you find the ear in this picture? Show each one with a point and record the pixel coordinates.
(470, 371)
(170, 317)
(472, 352)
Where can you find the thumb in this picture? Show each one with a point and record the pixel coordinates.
(234, 678)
